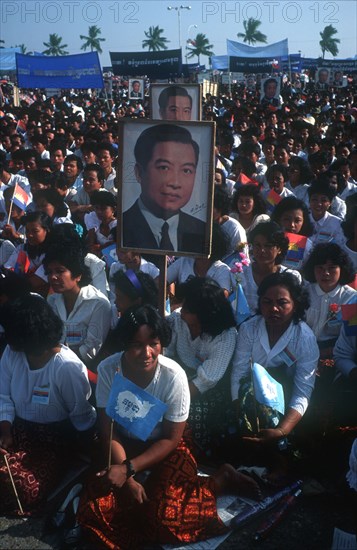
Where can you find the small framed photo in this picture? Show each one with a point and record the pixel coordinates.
(136, 88)
(270, 91)
(166, 184)
(322, 78)
(338, 79)
(175, 102)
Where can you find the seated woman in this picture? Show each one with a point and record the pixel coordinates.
(27, 258)
(328, 270)
(293, 217)
(51, 203)
(248, 207)
(84, 310)
(279, 340)
(101, 223)
(43, 402)
(203, 342)
(212, 267)
(122, 509)
(269, 246)
(234, 231)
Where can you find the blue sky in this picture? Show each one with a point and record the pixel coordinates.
(123, 22)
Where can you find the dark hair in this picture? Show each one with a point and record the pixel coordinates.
(206, 299)
(13, 285)
(161, 133)
(298, 292)
(74, 158)
(136, 317)
(28, 154)
(31, 325)
(348, 225)
(95, 168)
(58, 146)
(70, 255)
(306, 174)
(250, 191)
(324, 252)
(105, 146)
(293, 203)
(143, 287)
(275, 235)
(52, 197)
(40, 176)
(224, 177)
(277, 168)
(321, 187)
(103, 198)
(222, 200)
(220, 243)
(172, 91)
(248, 147)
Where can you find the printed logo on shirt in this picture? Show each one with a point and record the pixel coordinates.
(41, 395)
(324, 237)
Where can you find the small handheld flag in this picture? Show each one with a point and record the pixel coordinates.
(242, 309)
(110, 254)
(267, 390)
(349, 317)
(134, 408)
(296, 250)
(20, 197)
(273, 199)
(22, 263)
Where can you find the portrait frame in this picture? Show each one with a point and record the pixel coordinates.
(326, 83)
(141, 89)
(276, 97)
(194, 229)
(193, 90)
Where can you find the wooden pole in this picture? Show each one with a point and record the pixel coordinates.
(162, 264)
(13, 485)
(110, 444)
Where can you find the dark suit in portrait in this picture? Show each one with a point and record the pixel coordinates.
(137, 232)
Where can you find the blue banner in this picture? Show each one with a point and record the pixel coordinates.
(162, 64)
(65, 71)
(237, 49)
(8, 59)
(133, 408)
(267, 390)
(219, 62)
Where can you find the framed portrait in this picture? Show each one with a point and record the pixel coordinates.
(136, 88)
(338, 80)
(166, 179)
(322, 78)
(175, 102)
(270, 91)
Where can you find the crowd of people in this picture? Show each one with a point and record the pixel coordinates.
(77, 310)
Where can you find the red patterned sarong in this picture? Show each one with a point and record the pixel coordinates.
(181, 508)
(36, 465)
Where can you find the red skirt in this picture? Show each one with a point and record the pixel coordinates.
(181, 508)
(36, 466)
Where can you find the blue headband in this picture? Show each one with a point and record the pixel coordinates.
(134, 280)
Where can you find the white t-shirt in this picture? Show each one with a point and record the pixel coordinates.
(169, 384)
(57, 391)
(183, 268)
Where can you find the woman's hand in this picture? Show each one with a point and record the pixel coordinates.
(267, 436)
(136, 491)
(9, 232)
(6, 443)
(116, 475)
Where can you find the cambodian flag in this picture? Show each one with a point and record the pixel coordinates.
(22, 263)
(296, 250)
(133, 408)
(267, 390)
(20, 197)
(349, 317)
(273, 198)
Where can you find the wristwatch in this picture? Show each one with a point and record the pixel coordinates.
(130, 471)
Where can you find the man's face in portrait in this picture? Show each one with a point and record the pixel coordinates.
(168, 179)
(270, 90)
(177, 108)
(136, 87)
(323, 76)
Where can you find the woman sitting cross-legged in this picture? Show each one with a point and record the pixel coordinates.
(123, 509)
(43, 403)
(203, 342)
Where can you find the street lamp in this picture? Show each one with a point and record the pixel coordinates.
(188, 38)
(178, 9)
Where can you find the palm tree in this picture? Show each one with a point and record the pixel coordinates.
(92, 41)
(22, 47)
(54, 46)
(251, 34)
(154, 41)
(327, 42)
(200, 46)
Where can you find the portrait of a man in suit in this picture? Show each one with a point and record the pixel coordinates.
(135, 89)
(270, 92)
(175, 103)
(166, 159)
